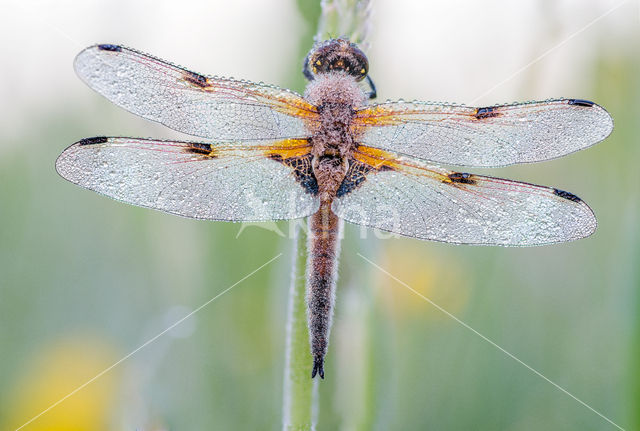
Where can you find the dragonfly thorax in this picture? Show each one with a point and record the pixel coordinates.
(336, 96)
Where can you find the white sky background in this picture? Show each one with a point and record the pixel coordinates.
(459, 49)
(445, 51)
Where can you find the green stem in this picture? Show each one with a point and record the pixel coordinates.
(348, 18)
(300, 391)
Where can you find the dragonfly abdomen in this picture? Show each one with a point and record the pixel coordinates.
(324, 248)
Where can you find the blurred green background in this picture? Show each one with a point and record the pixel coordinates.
(85, 280)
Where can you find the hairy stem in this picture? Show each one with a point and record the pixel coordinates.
(300, 392)
(350, 18)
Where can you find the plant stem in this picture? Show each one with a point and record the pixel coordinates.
(350, 18)
(300, 391)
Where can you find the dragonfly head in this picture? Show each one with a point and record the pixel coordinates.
(337, 55)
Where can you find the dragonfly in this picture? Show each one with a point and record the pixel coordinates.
(265, 153)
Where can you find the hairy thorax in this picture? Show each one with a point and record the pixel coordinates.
(337, 96)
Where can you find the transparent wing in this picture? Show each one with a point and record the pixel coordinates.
(484, 137)
(431, 203)
(210, 107)
(198, 180)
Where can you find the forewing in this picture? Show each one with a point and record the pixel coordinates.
(272, 181)
(484, 137)
(432, 203)
(210, 107)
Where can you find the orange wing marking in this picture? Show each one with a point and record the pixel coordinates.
(380, 115)
(238, 90)
(377, 159)
(296, 154)
(288, 148)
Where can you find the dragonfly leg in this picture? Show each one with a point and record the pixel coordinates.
(373, 93)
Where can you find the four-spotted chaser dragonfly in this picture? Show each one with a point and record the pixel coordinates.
(271, 154)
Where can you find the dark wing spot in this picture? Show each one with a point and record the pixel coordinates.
(356, 174)
(461, 177)
(107, 47)
(92, 141)
(581, 102)
(488, 112)
(566, 195)
(196, 79)
(201, 149)
(358, 171)
(302, 169)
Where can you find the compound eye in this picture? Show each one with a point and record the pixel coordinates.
(361, 73)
